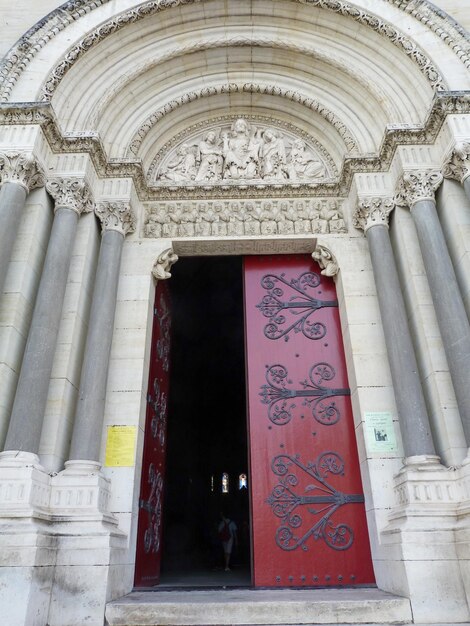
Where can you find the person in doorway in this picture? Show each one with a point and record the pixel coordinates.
(228, 537)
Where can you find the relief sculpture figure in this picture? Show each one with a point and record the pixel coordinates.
(303, 164)
(211, 159)
(182, 167)
(241, 152)
(273, 153)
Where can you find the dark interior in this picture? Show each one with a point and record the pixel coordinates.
(207, 432)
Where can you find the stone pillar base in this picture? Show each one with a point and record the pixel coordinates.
(92, 568)
(62, 556)
(24, 486)
(420, 541)
(81, 492)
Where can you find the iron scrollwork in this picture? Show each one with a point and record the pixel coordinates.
(158, 403)
(153, 506)
(318, 498)
(289, 304)
(278, 394)
(163, 343)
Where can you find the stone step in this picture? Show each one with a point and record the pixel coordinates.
(266, 607)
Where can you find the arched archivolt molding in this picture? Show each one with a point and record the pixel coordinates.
(207, 44)
(345, 133)
(27, 47)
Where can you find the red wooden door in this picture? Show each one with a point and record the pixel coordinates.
(308, 517)
(149, 532)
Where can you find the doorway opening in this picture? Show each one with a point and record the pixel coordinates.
(207, 448)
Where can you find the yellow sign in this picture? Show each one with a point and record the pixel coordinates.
(120, 446)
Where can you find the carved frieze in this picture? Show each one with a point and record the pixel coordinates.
(417, 185)
(42, 114)
(458, 165)
(117, 216)
(71, 193)
(372, 212)
(219, 218)
(242, 152)
(195, 133)
(21, 168)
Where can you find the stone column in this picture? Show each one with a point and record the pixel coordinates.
(19, 174)
(372, 216)
(458, 166)
(72, 197)
(416, 191)
(117, 220)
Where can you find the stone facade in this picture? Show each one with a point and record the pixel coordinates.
(133, 133)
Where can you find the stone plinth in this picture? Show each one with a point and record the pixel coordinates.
(421, 543)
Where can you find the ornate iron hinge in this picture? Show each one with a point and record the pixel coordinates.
(321, 498)
(314, 393)
(292, 313)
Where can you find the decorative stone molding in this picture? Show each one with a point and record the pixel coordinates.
(440, 23)
(458, 165)
(444, 104)
(28, 46)
(241, 246)
(383, 28)
(372, 212)
(218, 218)
(253, 41)
(415, 186)
(71, 193)
(117, 216)
(326, 260)
(270, 90)
(21, 168)
(163, 264)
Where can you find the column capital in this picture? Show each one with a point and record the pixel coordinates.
(372, 212)
(458, 164)
(162, 266)
(326, 260)
(70, 193)
(21, 168)
(115, 215)
(415, 186)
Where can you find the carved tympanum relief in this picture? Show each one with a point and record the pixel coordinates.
(242, 152)
(218, 218)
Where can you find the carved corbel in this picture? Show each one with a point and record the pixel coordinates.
(415, 186)
(117, 216)
(372, 212)
(71, 193)
(458, 165)
(163, 264)
(21, 168)
(326, 260)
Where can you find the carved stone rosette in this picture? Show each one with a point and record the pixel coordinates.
(416, 186)
(21, 168)
(71, 193)
(372, 212)
(117, 216)
(458, 165)
(326, 260)
(163, 264)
